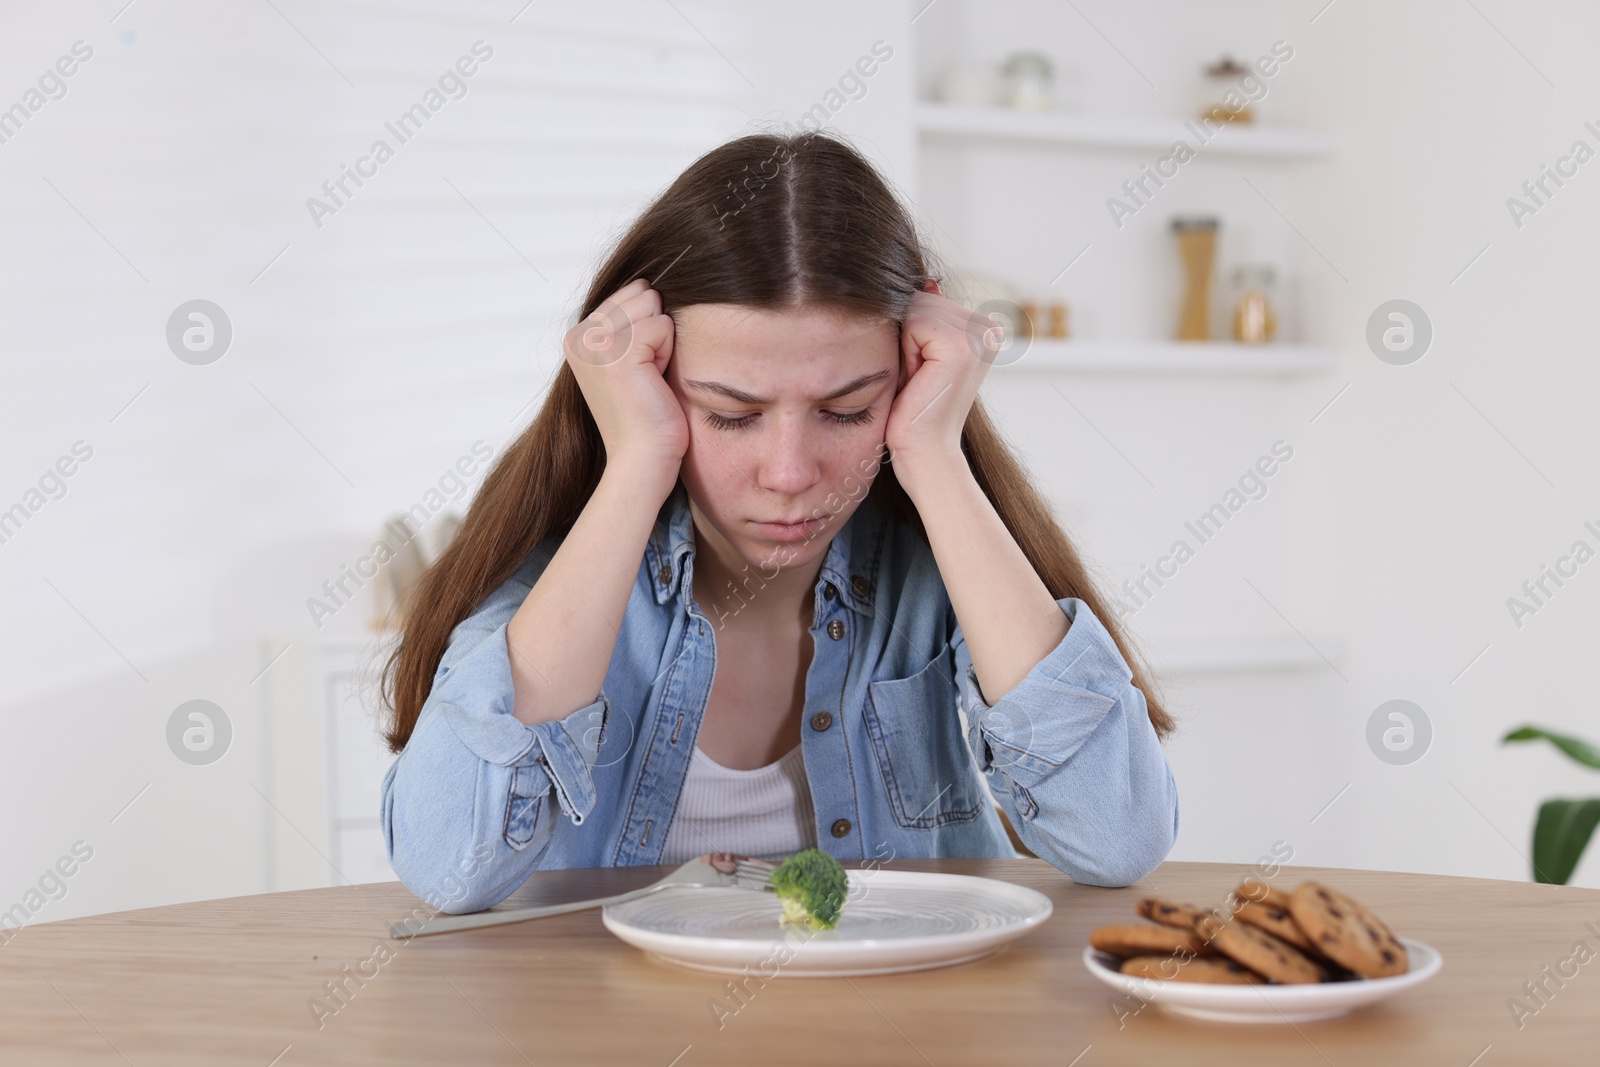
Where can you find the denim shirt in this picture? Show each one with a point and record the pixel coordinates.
(1070, 751)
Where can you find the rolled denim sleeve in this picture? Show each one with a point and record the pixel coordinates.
(1072, 754)
(472, 802)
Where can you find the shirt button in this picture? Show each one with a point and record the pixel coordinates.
(829, 591)
(860, 585)
(836, 629)
(841, 828)
(821, 721)
(666, 574)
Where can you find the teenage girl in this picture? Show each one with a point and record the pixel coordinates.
(761, 575)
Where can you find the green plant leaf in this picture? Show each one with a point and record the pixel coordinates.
(1580, 750)
(1559, 836)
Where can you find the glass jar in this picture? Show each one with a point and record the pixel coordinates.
(1255, 299)
(1225, 100)
(1197, 248)
(1058, 320)
(1029, 77)
(1028, 320)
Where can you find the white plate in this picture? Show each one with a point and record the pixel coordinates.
(1266, 1003)
(892, 921)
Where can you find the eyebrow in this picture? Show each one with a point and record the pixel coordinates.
(854, 386)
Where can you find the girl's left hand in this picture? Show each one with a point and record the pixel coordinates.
(945, 352)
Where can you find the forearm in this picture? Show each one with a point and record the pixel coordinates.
(1108, 815)
(1010, 620)
(1073, 757)
(442, 815)
(562, 637)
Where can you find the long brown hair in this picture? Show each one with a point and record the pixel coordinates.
(770, 221)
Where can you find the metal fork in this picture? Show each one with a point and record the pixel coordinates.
(712, 869)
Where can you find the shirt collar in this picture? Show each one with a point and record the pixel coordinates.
(850, 565)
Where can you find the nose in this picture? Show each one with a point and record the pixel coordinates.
(788, 462)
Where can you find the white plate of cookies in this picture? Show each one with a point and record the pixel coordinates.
(1267, 955)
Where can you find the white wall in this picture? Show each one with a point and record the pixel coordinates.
(1405, 519)
(1425, 513)
(366, 360)
(406, 328)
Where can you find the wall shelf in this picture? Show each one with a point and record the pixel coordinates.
(1170, 357)
(1112, 132)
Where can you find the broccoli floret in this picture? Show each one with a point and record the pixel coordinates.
(811, 886)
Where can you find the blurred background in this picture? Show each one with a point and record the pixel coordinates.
(245, 347)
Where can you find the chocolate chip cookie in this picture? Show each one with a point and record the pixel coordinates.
(1209, 970)
(1345, 931)
(1143, 939)
(1261, 893)
(1169, 912)
(1275, 921)
(1258, 950)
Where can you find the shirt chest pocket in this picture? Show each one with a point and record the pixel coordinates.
(916, 735)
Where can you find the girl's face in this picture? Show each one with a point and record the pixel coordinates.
(786, 415)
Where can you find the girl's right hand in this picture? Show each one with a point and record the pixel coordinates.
(619, 355)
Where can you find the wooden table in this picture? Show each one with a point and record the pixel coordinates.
(231, 982)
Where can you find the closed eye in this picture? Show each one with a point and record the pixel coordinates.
(722, 422)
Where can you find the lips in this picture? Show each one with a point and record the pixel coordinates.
(788, 530)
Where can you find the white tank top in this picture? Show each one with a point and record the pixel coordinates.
(765, 813)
